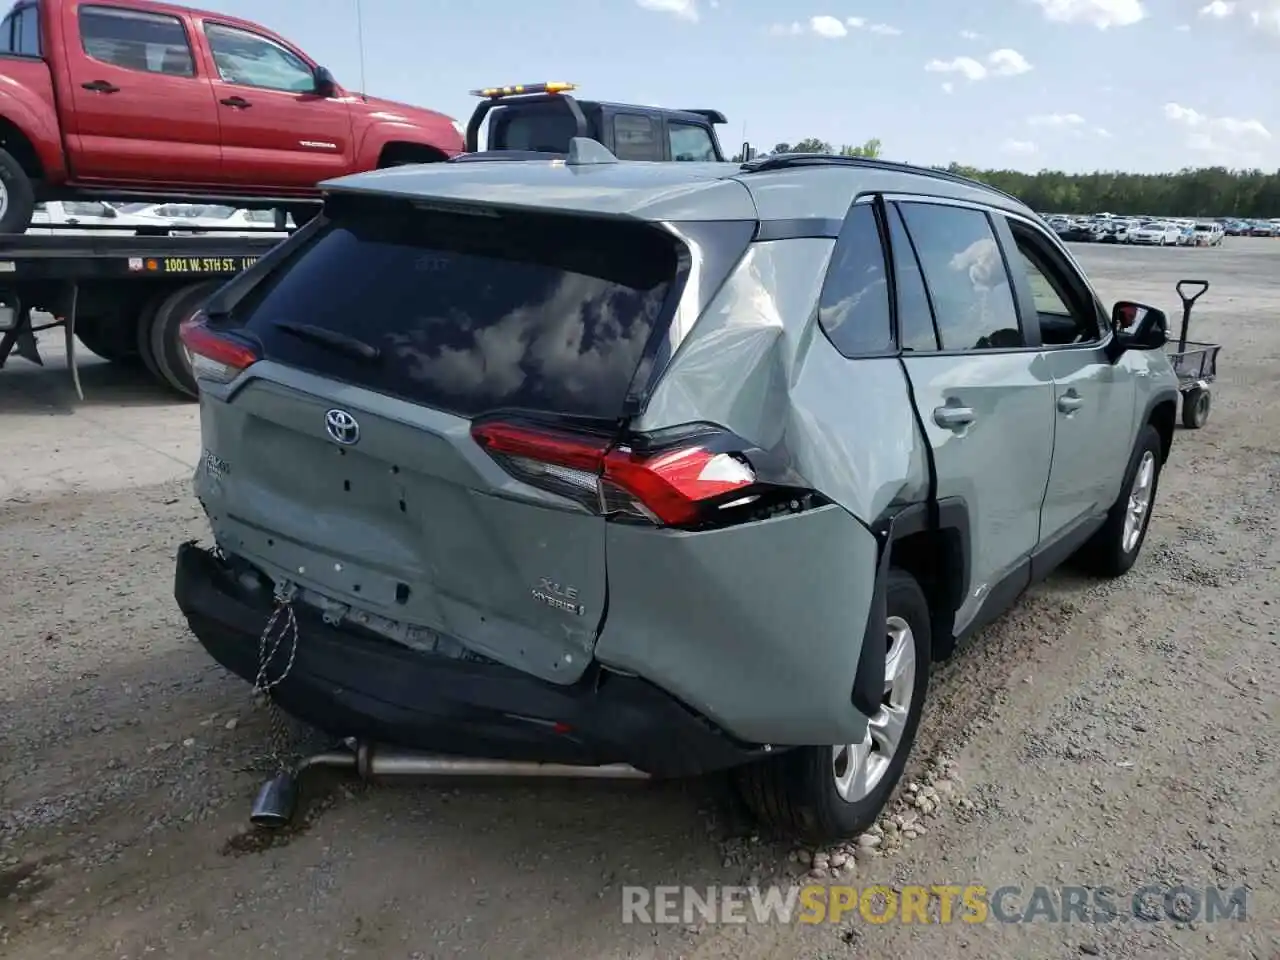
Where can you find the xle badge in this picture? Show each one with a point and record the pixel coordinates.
(558, 596)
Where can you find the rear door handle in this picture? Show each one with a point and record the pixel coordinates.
(238, 102)
(101, 86)
(953, 417)
(1069, 403)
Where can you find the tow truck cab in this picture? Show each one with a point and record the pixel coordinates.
(541, 118)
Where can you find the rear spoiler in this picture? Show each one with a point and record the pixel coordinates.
(712, 116)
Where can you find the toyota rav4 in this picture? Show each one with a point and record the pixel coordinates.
(682, 466)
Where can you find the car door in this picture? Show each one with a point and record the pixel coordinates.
(277, 130)
(981, 386)
(1094, 398)
(690, 142)
(143, 110)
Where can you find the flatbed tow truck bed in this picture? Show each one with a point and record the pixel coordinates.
(123, 297)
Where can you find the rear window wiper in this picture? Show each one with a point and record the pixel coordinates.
(330, 338)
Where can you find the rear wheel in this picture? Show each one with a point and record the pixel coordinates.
(17, 197)
(170, 356)
(827, 794)
(110, 336)
(142, 332)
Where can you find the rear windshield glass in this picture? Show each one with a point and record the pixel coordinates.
(470, 314)
(546, 129)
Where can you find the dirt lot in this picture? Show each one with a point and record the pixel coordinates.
(1124, 734)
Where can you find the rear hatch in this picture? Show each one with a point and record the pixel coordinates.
(344, 459)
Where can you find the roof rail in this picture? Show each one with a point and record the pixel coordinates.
(782, 161)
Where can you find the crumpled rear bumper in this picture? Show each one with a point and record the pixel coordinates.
(349, 683)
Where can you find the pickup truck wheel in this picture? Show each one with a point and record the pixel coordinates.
(1114, 549)
(17, 197)
(827, 794)
(170, 356)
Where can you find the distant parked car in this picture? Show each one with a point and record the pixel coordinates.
(1158, 233)
(91, 217)
(1114, 231)
(1208, 234)
(1080, 231)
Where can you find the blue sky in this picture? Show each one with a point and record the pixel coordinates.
(1140, 85)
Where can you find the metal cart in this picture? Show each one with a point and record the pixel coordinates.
(1195, 363)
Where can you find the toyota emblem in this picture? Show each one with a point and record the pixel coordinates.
(342, 427)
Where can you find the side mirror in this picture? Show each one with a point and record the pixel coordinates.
(1139, 327)
(326, 85)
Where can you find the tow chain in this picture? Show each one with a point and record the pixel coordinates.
(281, 630)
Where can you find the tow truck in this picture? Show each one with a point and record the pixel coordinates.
(126, 297)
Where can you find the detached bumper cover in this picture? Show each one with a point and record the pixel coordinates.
(350, 683)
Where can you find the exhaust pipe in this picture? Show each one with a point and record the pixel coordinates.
(278, 797)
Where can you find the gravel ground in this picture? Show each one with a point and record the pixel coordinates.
(1122, 734)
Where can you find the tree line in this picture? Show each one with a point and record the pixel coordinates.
(1198, 192)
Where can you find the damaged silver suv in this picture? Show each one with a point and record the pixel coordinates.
(679, 467)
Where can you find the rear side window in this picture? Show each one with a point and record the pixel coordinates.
(854, 306)
(634, 137)
(966, 276)
(471, 314)
(151, 42)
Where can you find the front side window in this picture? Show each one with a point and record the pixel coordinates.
(20, 32)
(966, 276)
(150, 42)
(690, 142)
(854, 306)
(249, 60)
(1065, 310)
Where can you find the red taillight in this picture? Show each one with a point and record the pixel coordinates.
(675, 486)
(214, 357)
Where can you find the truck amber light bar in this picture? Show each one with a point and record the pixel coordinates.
(520, 89)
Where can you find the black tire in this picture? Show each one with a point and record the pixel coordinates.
(146, 317)
(1104, 555)
(111, 336)
(1196, 404)
(795, 793)
(20, 196)
(171, 358)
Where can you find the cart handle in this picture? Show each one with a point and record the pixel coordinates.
(1187, 301)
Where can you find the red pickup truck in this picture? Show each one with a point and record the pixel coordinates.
(130, 99)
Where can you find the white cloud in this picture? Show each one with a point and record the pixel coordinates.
(1022, 147)
(829, 27)
(1218, 9)
(1102, 132)
(967, 67)
(684, 9)
(1183, 28)
(1102, 14)
(1265, 16)
(1000, 63)
(948, 87)
(1007, 63)
(970, 35)
(1056, 120)
(1228, 139)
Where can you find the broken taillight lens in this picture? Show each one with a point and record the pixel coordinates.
(213, 356)
(678, 485)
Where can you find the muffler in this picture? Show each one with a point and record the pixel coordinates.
(278, 797)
